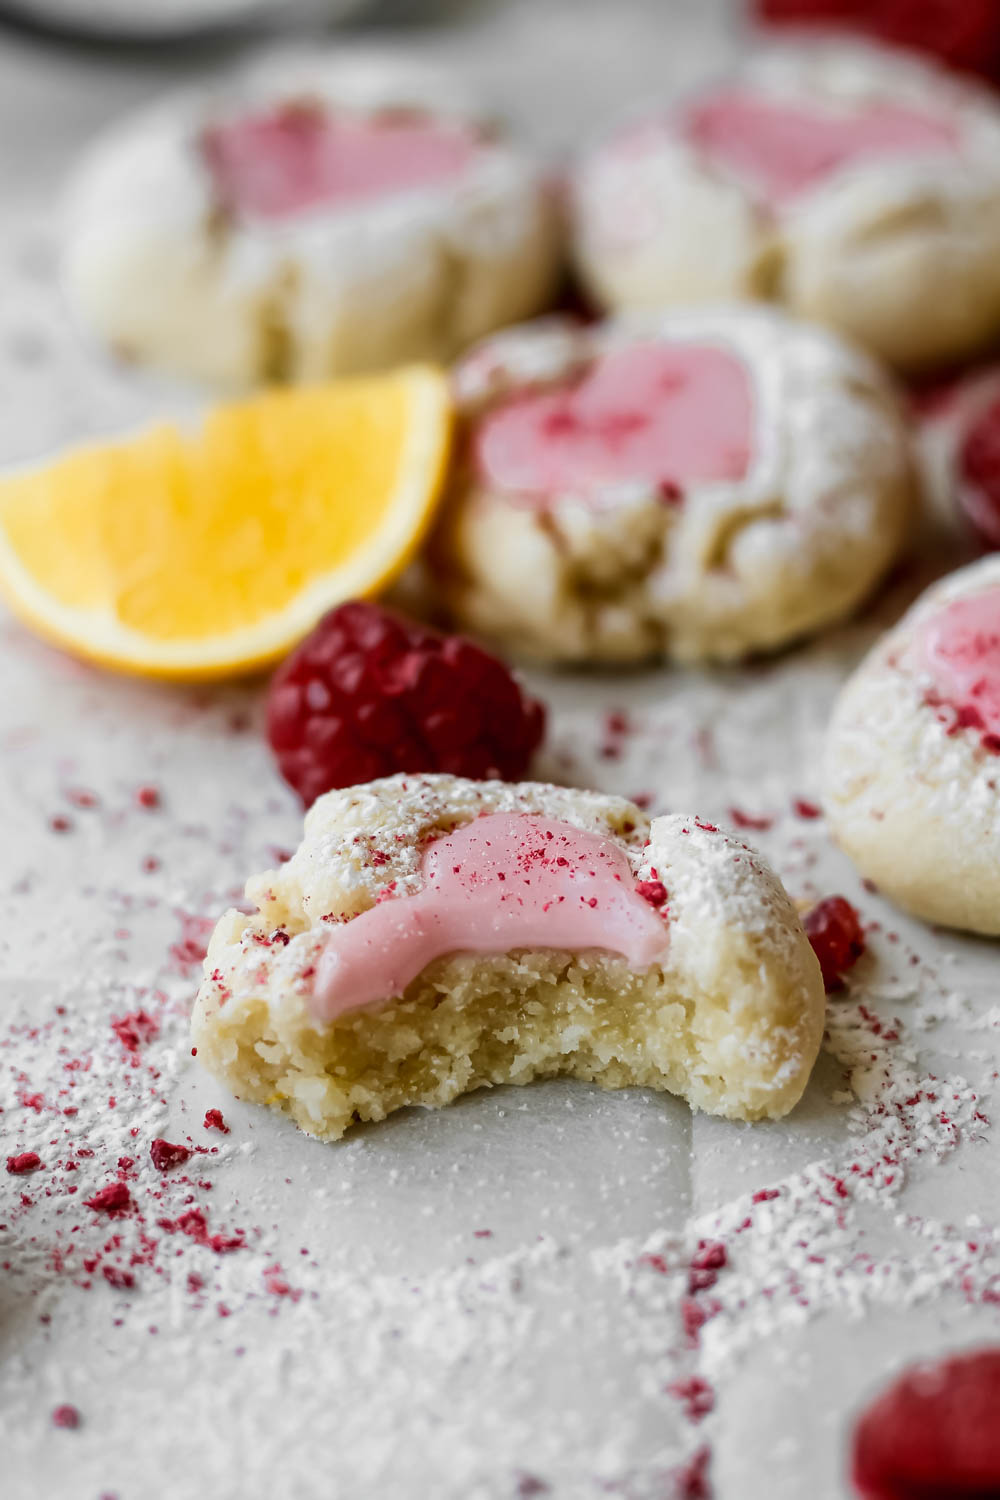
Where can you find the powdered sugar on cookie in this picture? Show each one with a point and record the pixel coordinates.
(688, 483)
(466, 934)
(912, 762)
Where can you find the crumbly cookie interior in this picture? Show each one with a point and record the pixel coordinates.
(473, 1022)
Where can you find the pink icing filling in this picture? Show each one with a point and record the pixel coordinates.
(959, 647)
(298, 157)
(505, 881)
(667, 414)
(782, 150)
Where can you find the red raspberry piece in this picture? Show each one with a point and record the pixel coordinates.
(653, 891)
(979, 471)
(369, 693)
(115, 1198)
(933, 1433)
(26, 1161)
(165, 1154)
(834, 929)
(962, 33)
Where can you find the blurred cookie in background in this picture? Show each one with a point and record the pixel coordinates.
(857, 186)
(316, 215)
(697, 485)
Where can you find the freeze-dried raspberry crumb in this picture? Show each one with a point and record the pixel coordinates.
(696, 1396)
(214, 1121)
(370, 693)
(979, 470)
(148, 797)
(26, 1161)
(692, 1482)
(135, 1029)
(807, 810)
(166, 1155)
(122, 1281)
(653, 891)
(191, 947)
(66, 1416)
(962, 33)
(706, 1263)
(834, 929)
(115, 1198)
(758, 823)
(933, 1433)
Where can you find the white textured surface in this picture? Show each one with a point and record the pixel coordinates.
(422, 1359)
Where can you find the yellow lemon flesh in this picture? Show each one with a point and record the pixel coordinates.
(197, 555)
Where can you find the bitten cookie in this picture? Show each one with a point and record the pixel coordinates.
(433, 935)
(699, 485)
(317, 215)
(913, 756)
(859, 187)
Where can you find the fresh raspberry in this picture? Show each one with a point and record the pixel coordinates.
(964, 34)
(370, 693)
(979, 471)
(933, 1433)
(834, 929)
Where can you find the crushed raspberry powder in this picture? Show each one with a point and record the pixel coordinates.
(214, 1121)
(121, 1281)
(692, 1482)
(742, 819)
(370, 693)
(135, 1029)
(696, 1396)
(66, 1416)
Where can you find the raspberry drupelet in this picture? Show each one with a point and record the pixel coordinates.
(370, 694)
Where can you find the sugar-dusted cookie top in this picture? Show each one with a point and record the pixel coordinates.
(415, 898)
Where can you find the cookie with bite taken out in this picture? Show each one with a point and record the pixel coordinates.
(433, 935)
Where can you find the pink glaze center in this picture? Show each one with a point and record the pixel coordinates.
(959, 647)
(298, 157)
(782, 150)
(663, 414)
(506, 881)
